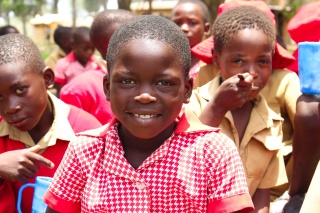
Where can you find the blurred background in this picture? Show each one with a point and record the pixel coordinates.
(39, 18)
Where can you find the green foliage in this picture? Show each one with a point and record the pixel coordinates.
(91, 5)
(294, 6)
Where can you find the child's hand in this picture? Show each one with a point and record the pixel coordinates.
(19, 165)
(233, 92)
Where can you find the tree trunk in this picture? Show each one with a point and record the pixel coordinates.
(150, 6)
(124, 4)
(24, 21)
(74, 13)
(55, 6)
(104, 4)
(213, 6)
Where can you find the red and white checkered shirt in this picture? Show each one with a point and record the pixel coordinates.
(198, 169)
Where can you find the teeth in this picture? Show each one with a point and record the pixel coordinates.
(144, 116)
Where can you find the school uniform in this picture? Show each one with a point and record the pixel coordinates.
(197, 169)
(86, 92)
(205, 74)
(68, 67)
(281, 93)
(260, 148)
(67, 121)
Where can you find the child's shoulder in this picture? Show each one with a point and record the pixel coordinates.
(191, 127)
(81, 120)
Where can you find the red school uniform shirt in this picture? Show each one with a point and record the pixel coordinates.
(86, 92)
(68, 120)
(68, 67)
(198, 169)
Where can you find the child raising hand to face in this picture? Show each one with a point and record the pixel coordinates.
(244, 41)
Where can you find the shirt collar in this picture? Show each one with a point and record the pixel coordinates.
(72, 58)
(60, 129)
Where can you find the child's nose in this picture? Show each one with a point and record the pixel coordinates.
(12, 108)
(145, 98)
(253, 71)
(184, 27)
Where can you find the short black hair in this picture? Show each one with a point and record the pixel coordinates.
(104, 25)
(239, 18)
(61, 34)
(8, 29)
(16, 48)
(78, 33)
(201, 4)
(106, 18)
(155, 28)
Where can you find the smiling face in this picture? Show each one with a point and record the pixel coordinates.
(189, 18)
(23, 96)
(146, 88)
(249, 51)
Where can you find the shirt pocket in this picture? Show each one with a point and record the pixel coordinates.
(256, 160)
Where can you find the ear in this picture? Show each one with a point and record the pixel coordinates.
(215, 57)
(106, 86)
(188, 89)
(48, 76)
(207, 29)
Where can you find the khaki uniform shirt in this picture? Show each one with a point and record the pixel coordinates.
(260, 148)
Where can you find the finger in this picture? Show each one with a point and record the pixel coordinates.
(245, 79)
(40, 159)
(28, 164)
(34, 149)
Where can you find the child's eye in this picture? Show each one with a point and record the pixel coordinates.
(20, 90)
(193, 23)
(178, 23)
(237, 60)
(1, 98)
(127, 81)
(264, 61)
(163, 83)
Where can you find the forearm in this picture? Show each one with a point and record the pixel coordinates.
(261, 201)
(212, 115)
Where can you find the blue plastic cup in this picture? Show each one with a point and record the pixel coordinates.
(40, 187)
(309, 67)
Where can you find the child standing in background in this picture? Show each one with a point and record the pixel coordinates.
(192, 16)
(78, 61)
(62, 38)
(35, 126)
(151, 157)
(244, 39)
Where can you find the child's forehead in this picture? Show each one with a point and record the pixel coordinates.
(243, 38)
(153, 43)
(188, 7)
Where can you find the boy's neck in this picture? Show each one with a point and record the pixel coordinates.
(138, 150)
(44, 123)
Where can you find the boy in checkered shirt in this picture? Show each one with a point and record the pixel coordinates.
(153, 157)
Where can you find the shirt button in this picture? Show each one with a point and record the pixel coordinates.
(140, 185)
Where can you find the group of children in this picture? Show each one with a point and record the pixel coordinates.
(163, 146)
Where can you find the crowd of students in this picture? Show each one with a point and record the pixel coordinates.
(175, 116)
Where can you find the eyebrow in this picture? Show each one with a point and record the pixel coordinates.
(15, 84)
(241, 55)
